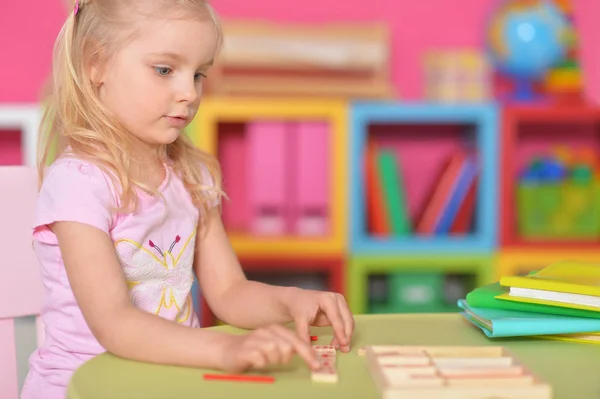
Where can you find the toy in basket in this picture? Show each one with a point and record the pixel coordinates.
(558, 197)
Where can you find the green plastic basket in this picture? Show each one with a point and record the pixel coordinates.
(558, 210)
(415, 292)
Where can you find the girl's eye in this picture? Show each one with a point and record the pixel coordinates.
(162, 70)
(198, 76)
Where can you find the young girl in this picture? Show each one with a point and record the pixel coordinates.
(130, 209)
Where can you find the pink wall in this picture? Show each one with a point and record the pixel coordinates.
(586, 16)
(27, 33)
(417, 25)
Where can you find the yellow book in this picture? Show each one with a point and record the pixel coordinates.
(588, 338)
(565, 284)
(567, 276)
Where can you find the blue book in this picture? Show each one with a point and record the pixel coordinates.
(497, 323)
(457, 196)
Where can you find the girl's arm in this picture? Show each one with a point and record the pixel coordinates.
(232, 298)
(99, 286)
(249, 304)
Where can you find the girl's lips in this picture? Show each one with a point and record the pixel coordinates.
(177, 121)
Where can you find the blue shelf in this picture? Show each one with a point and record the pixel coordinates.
(484, 118)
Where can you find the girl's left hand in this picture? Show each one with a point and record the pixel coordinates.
(317, 308)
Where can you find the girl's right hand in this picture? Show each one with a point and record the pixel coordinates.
(266, 346)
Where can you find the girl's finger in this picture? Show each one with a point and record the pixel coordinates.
(270, 349)
(301, 347)
(335, 343)
(303, 329)
(330, 306)
(349, 322)
(286, 351)
(256, 359)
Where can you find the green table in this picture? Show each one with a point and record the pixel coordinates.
(573, 369)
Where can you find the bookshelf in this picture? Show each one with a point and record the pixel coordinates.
(424, 135)
(213, 125)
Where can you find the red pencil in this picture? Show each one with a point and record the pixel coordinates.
(240, 378)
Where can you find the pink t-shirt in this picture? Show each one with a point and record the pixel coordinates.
(155, 247)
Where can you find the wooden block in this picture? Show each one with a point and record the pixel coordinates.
(324, 349)
(404, 360)
(524, 380)
(476, 361)
(327, 357)
(452, 372)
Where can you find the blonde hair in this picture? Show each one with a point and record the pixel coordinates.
(75, 117)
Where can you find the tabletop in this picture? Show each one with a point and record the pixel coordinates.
(572, 369)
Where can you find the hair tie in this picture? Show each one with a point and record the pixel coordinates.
(76, 8)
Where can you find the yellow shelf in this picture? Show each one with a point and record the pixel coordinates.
(519, 261)
(204, 133)
(278, 246)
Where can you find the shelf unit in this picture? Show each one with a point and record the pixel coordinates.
(503, 137)
(477, 123)
(528, 131)
(205, 133)
(425, 134)
(360, 267)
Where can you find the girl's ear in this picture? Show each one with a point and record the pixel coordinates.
(95, 74)
(95, 69)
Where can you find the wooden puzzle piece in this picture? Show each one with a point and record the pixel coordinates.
(443, 372)
(327, 357)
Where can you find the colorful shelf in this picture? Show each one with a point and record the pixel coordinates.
(360, 267)
(426, 134)
(527, 132)
(218, 115)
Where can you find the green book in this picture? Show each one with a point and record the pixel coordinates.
(485, 297)
(393, 192)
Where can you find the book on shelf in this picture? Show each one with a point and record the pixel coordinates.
(452, 198)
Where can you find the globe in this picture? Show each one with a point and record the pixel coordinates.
(525, 39)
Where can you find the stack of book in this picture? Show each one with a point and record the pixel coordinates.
(561, 301)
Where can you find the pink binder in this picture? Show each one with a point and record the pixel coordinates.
(266, 168)
(310, 215)
(11, 152)
(232, 155)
